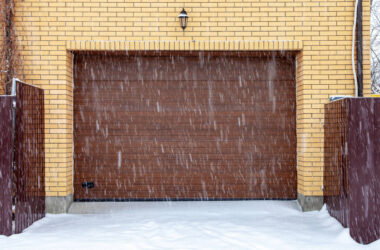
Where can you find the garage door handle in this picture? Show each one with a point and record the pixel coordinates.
(88, 185)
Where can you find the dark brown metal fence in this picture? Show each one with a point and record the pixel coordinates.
(25, 184)
(335, 171)
(352, 165)
(6, 143)
(29, 156)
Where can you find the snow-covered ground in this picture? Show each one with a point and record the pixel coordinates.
(186, 225)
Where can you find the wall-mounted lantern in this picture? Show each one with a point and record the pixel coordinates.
(183, 19)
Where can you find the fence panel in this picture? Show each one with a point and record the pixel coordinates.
(352, 165)
(6, 143)
(29, 156)
(364, 169)
(335, 157)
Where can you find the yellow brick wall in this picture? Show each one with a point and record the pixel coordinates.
(321, 31)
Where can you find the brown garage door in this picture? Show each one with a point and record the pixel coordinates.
(204, 126)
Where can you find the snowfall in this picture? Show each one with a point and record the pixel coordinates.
(186, 225)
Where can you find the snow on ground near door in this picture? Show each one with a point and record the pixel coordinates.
(186, 225)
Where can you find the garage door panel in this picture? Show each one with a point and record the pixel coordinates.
(176, 68)
(126, 146)
(198, 176)
(184, 127)
(252, 191)
(181, 170)
(164, 104)
(171, 107)
(177, 148)
(127, 86)
(193, 184)
(190, 123)
(130, 115)
(216, 173)
(129, 182)
(209, 126)
(205, 148)
(194, 97)
(195, 102)
(112, 89)
(169, 134)
(195, 162)
(208, 122)
(162, 172)
(175, 135)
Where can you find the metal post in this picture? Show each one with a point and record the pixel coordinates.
(359, 47)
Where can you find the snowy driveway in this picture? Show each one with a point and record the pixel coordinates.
(186, 225)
